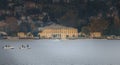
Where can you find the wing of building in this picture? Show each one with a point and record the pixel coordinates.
(55, 31)
(3, 35)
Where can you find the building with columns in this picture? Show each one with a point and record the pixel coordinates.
(56, 31)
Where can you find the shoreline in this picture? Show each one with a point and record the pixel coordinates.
(59, 39)
(16, 38)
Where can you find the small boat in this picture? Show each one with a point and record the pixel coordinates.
(56, 39)
(8, 47)
(22, 47)
(28, 47)
(25, 47)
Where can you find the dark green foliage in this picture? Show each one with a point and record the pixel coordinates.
(25, 27)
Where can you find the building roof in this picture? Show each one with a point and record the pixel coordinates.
(4, 33)
(57, 26)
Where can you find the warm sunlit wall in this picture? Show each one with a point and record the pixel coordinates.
(21, 35)
(63, 32)
(95, 34)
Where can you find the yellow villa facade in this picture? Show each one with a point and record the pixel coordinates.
(58, 32)
(23, 35)
(95, 34)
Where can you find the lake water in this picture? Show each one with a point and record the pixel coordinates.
(60, 52)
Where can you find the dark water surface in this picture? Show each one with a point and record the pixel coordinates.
(60, 52)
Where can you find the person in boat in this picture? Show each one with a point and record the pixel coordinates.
(28, 46)
(23, 46)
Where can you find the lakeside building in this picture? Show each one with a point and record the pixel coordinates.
(23, 35)
(82, 35)
(55, 31)
(3, 35)
(95, 35)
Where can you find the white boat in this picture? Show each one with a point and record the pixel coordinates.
(28, 47)
(24, 47)
(57, 40)
(21, 48)
(8, 47)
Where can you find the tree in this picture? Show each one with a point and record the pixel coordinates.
(98, 24)
(70, 18)
(117, 25)
(12, 25)
(25, 27)
(114, 26)
(3, 26)
(85, 30)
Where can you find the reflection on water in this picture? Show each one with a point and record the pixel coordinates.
(62, 52)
